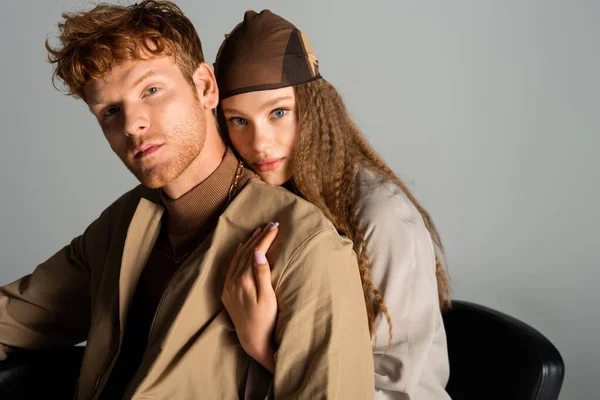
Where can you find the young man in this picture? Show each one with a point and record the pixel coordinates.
(143, 283)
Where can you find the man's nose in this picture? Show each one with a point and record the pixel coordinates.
(136, 121)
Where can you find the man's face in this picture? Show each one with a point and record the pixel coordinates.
(151, 116)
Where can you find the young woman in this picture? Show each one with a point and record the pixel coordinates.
(292, 128)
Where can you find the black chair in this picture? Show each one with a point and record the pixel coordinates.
(40, 374)
(495, 356)
(492, 356)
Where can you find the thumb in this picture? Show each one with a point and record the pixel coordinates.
(262, 273)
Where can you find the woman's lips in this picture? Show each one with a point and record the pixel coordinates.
(268, 165)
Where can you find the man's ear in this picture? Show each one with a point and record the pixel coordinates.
(206, 86)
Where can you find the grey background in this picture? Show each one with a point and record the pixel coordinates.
(489, 110)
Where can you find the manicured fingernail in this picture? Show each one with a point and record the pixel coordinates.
(273, 226)
(239, 247)
(256, 232)
(259, 257)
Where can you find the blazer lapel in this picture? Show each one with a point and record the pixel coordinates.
(141, 236)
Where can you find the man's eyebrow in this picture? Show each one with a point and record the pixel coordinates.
(139, 80)
(263, 107)
(143, 77)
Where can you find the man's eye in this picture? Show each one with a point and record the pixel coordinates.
(238, 121)
(111, 111)
(280, 112)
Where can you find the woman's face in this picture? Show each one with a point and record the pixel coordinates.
(262, 127)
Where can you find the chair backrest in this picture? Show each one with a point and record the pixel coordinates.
(495, 356)
(41, 374)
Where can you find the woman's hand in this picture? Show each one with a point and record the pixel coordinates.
(250, 299)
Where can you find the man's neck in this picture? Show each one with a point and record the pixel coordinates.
(206, 163)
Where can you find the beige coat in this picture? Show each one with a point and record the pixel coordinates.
(84, 292)
(402, 258)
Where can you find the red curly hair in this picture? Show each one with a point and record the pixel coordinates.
(93, 41)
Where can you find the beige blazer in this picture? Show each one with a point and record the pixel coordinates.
(85, 290)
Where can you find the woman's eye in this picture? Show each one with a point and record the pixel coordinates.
(111, 111)
(238, 121)
(280, 112)
(152, 90)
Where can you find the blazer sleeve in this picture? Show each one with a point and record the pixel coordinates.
(51, 306)
(400, 250)
(322, 331)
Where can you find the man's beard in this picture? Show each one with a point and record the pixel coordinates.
(185, 141)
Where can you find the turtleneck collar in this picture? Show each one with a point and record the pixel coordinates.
(204, 202)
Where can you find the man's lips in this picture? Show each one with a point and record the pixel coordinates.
(269, 164)
(145, 150)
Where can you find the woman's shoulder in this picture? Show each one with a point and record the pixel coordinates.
(379, 200)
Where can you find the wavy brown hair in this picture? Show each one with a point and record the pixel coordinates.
(93, 41)
(328, 152)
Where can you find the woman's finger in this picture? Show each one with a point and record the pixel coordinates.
(262, 274)
(255, 279)
(246, 252)
(249, 242)
(248, 276)
(233, 264)
(262, 269)
(264, 240)
(242, 254)
(267, 238)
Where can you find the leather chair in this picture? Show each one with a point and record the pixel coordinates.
(495, 356)
(40, 374)
(492, 356)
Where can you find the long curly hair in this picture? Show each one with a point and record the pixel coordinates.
(328, 152)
